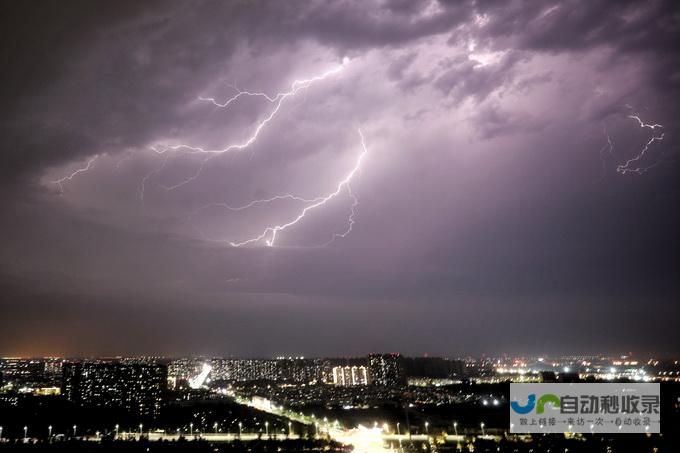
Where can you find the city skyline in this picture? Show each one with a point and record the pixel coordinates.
(323, 179)
(375, 404)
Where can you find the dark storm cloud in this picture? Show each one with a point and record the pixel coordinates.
(483, 202)
(629, 27)
(125, 67)
(39, 42)
(574, 25)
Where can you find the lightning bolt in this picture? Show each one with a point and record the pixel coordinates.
(142, 188)
(631, 165)
(269, 234)
(643, 124)
(60, 182)
(277, 100)
(350, 219)
(255, 203)
(239, 94)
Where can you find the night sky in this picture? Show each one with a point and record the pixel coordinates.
(491, 214)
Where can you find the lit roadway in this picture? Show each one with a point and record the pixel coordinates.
(363, 439)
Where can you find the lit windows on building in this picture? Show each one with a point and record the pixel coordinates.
(350, 375)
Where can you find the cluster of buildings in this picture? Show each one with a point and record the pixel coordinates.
(392, 370)
(573, 369)
(138, 385)
(136, 388)
(41, 373)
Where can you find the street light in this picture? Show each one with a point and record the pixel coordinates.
(427, 428)
(240, 429)
(266, 427)
(399, 436)
(482, 425)
(0, 432)
(25, 433)
(140, 429)
(215, 427)
(290, 426)
(117, 427)
(49, 432)
(191, 428)
(74, 430)
(455, 427)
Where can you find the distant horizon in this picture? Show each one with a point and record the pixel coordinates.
(661, 356)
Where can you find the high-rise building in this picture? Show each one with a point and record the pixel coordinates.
(244, 369)
(350, 375)
(135, 388)
(387, 369)
(299, 370)
(185, 369)
(289, 369)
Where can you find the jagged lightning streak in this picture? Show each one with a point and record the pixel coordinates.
(69, 177)
(240, 93)
(277, 100)
(630, 166)
(269, 234)
(254, 203)
(643, 124)
(350, 219)
(142, 188)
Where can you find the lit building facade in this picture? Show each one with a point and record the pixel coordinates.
(136, 388)
(350, 375)
(387, 370)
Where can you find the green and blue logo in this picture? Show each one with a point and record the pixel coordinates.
(532, 403)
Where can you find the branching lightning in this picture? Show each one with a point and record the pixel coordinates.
(254, 203)
(269, 234)
(350, 219)
(142, 188)
(277, 100)
(632, 164)
(69, 177)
